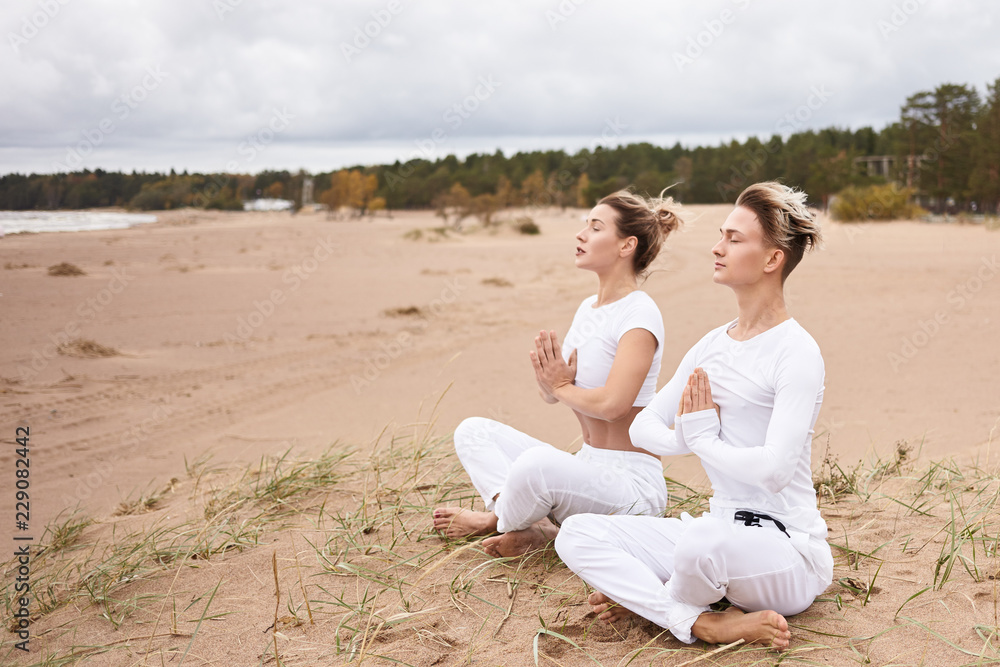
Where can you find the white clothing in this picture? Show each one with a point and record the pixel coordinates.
(534, 479)
(595, 333)
(769, 390)
(670, 570)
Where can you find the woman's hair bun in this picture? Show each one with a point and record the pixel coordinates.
(667, 213)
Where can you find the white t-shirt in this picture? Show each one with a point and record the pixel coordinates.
(595, 333)
(769, 390)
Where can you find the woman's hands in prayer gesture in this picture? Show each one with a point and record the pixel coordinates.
(551, 371)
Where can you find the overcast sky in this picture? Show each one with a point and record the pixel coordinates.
(246, 85)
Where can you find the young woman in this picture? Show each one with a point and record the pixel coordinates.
(605, 372)
(744, 400)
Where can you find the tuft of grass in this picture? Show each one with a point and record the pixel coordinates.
(407, 311)
(432, 234)
(526, 226)
(86, 349)
(66, 269)
(833, 482)
(146, 502)
(497, 282)
(62, 533)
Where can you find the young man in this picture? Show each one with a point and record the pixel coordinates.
(744, 400)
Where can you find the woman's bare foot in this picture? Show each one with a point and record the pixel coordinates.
(519, 542)
(455, 522)
(759, 627)
(607, 609)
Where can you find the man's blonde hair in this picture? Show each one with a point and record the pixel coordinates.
(787, 222)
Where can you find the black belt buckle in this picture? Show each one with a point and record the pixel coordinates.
(750, 518)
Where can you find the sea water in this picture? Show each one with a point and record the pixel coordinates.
(12, 222)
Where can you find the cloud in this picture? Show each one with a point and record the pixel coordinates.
(354, 72)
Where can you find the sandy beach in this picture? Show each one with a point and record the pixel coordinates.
(240, 336)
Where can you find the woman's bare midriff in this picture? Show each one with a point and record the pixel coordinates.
(610, 435)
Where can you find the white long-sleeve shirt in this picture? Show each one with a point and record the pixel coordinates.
(769, 390)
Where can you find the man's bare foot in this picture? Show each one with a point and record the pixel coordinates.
(455, 522)
(759, 627)
(519, 542)
(607, 609)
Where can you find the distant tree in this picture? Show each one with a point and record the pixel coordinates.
(533, 190)
(555, 191)
(828, 175)
(583, 199)
(651, 182)
(984, 182)
(484, 207)
(684, 171)
(455, 202)
(352, 189)
(276, 190)
(940, 126)
(504, 192)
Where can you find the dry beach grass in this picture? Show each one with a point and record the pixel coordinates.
(329, 560)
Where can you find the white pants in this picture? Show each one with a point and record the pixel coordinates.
(534, 479)
(670, 570)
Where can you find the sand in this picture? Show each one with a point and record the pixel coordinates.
(237, 336)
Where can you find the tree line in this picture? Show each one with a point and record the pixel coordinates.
(945, 148)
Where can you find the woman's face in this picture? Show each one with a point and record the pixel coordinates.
(598, 246)
(741, 255)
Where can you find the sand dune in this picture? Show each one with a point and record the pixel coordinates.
(240, 336)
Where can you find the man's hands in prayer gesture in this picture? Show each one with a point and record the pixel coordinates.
(697, 395)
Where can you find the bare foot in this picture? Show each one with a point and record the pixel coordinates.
(759, 627)
(607, 609)
(519, 542)
(455, 522)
